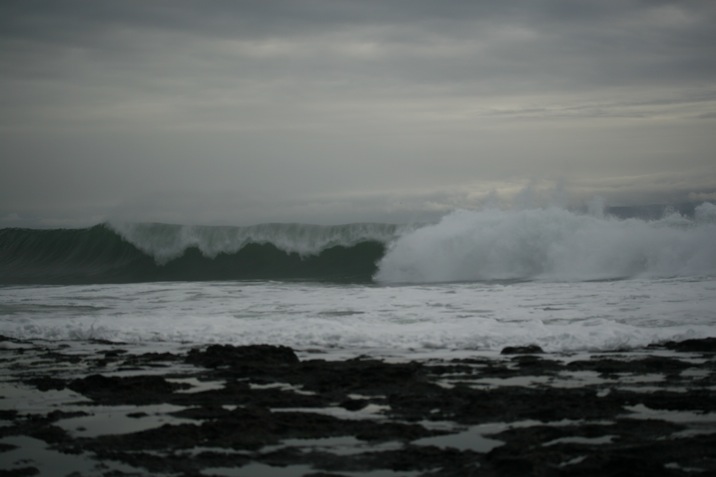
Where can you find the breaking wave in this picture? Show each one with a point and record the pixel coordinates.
(482, 245)
(554, 244)
(159, 252)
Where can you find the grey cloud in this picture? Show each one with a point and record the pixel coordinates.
(317, 102)
(479, 47)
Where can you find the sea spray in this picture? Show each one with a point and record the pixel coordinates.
(166, 242)
(551, 243)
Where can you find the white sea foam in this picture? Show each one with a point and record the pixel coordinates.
(558, 316)
(552, 243)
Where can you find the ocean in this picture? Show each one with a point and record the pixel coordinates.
(477, 280)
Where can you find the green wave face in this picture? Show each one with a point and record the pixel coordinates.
(155, 252)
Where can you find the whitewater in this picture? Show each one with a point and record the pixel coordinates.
(477, 280)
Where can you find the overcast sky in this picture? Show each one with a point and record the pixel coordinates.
(330, 111)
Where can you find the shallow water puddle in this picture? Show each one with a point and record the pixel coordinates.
(259, 470)
(23, 398)
(472, 438)
(281, 387)
(106, 420)
(32, 452)
(197, 385)
(695, 419)
(343, 446)
(371, 411)
(581, 440)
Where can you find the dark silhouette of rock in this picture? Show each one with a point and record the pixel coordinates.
(529, 349)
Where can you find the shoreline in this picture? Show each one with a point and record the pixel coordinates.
(114, 409)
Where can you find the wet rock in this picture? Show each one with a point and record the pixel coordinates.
(529, 363)
(114, 353)
(46, 383)
(529, 349)
(697, 400)
(252, 428)
(357, 376)
(610, 366)
(20, 472)
(323, 474)
(365, 415)
(431, 459)
(216, 356)
(150, 359)
(354, 404)
(6, 448)
(59, 414)
(129, 390)
(8, 414)
(703, 345)
(49, 434)
(579, 450)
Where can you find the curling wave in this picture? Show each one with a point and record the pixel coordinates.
(109, 253)
(483, 245)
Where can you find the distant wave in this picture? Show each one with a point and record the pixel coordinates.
(482, 245)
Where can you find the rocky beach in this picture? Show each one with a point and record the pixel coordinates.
(117, 409)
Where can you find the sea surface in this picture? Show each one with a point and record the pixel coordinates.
(477, 280)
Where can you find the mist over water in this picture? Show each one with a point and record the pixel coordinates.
(552, 243)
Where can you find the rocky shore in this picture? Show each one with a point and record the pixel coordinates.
(112, 409)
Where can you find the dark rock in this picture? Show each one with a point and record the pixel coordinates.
(703, 345)
(6, 447)
(529, 349)
(530, 363)
(216, 356)
(46, 383)
(8, 414)
(696, 400)
(114, 353)
(439, 461)
(150, 359)
(19, 472)
(131, 390)
(58, 414)
(49, 434)
(358, 376)
(269, 403)
(608, 366)
(354, 404)
(323, 474)
(251, 428)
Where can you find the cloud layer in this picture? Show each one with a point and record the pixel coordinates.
(334, 111)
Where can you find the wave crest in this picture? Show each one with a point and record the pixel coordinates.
(165, 242)
(158, 252)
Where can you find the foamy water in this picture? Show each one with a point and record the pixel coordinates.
(559, 316)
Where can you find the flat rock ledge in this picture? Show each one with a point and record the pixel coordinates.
(260, 410)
